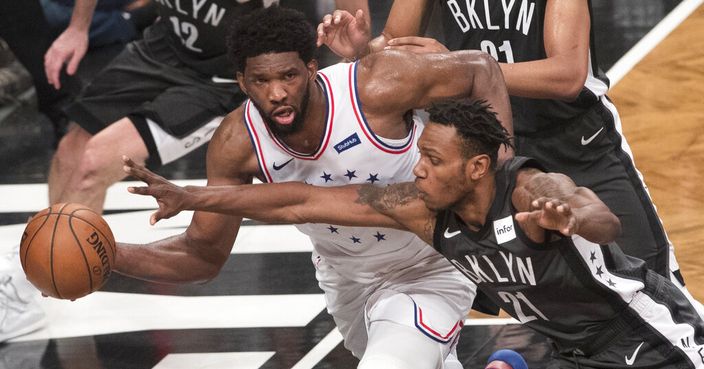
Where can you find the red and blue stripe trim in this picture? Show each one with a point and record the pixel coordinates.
(362, 120)
(431, 333)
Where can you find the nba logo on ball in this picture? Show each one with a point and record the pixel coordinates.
(67, 251)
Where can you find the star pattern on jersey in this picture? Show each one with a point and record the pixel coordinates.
(355, 239)
(333, 229)
(326, 177)
(380, 236)
(351, 174)
(599, 272)
(373, 178)
(600, 269)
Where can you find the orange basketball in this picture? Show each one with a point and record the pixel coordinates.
(67, 251)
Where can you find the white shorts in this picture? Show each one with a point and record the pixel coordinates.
(432, 297)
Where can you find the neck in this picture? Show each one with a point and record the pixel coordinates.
(474, 207)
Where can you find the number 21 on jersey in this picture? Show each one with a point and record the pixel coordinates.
(488, 47)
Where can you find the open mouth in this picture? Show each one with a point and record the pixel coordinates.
(284, 115)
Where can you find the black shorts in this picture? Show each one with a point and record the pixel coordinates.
(660, 329)
(147, 81)
(589, 150)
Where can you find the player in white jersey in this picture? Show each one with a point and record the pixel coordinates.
(373, 263)
(397, 304)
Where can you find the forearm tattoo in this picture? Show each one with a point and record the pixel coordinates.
(384, 199)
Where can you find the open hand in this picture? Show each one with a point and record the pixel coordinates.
(69, 48)
(417, 44)
(345, 34)
(552, 214)
(170, 197)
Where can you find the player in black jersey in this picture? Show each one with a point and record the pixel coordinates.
(539, 246)
(160, 99)
(562, 116)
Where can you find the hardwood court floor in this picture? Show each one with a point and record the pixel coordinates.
(661, 102)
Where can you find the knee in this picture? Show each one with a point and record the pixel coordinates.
(66, 153)
(94, 170)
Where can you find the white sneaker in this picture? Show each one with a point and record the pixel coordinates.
(19, 311)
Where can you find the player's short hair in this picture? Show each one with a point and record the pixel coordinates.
(270, 30)
(476, 124)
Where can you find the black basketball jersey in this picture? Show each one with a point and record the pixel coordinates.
(196, 30)
(567, 288)
(512, 32)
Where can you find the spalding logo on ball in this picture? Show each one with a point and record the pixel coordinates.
(67, 251)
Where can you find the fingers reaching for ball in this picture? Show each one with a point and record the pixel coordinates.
(170, 197)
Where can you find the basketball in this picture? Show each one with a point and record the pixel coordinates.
(67, 251)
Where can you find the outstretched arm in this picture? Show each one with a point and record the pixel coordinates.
(198, 254)
(552, 201)
(71, 45)
(397, 206)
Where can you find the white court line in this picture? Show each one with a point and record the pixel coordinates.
(112, 312)
(35, 197)
(652, 39)
(490, 321)
(215, 360)
(133, 227)
(320, 351)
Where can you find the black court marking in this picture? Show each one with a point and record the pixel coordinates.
(242, 274)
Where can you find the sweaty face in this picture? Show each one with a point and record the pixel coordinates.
(278, 84)
(440, 172)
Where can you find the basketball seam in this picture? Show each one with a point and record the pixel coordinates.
(29, 244)
(85, 259)
(112, 245)
(51, 254)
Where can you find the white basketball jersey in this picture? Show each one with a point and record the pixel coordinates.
(349, 153)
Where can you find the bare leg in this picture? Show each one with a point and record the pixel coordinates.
(65, 160)
(100, 165)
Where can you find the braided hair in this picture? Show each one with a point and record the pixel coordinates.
(477, 126)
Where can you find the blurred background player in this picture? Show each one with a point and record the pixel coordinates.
(160, 99)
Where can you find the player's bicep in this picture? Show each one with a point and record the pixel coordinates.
(400, 202)
(228, 161)
(425, 78)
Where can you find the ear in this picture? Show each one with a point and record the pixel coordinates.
(478, 166)
(240, 82)
(312, 67)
